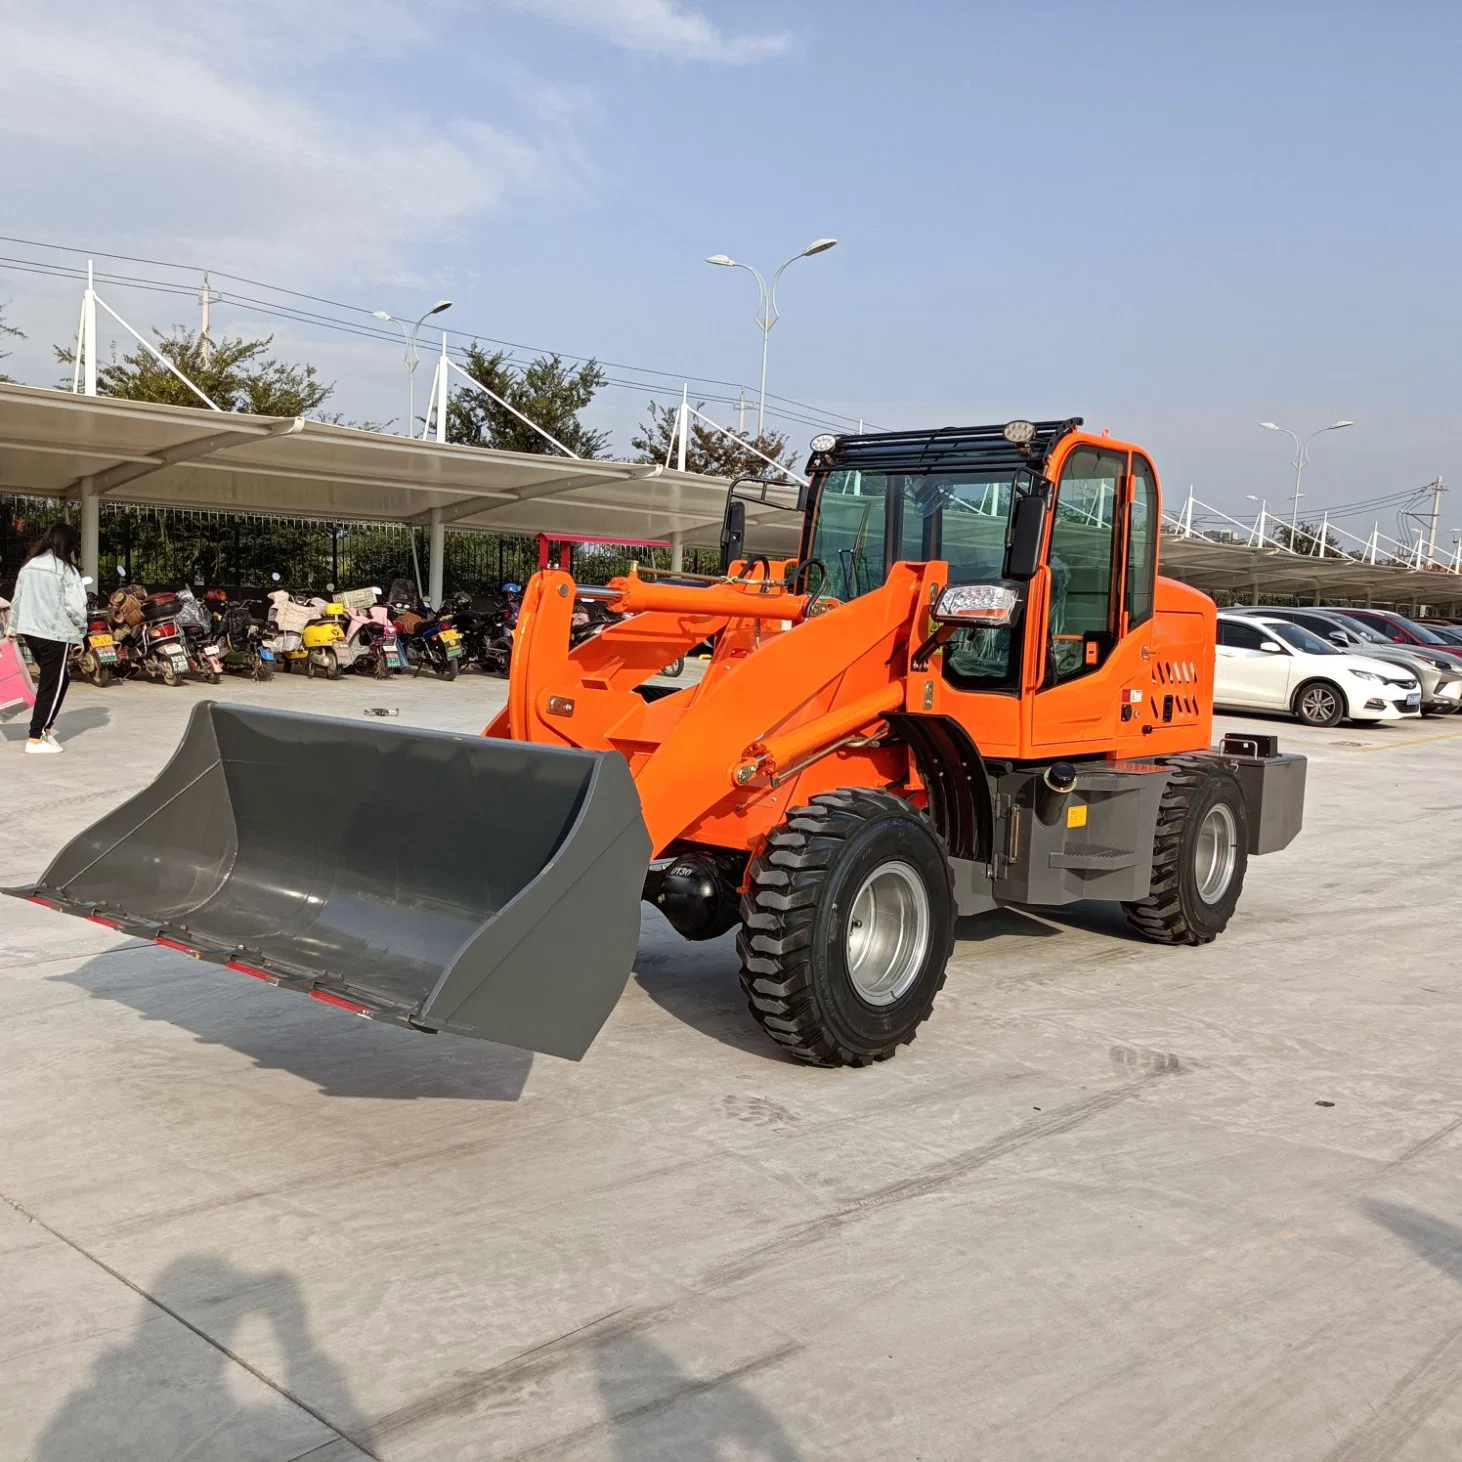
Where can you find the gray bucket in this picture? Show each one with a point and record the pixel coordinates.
(450, 883)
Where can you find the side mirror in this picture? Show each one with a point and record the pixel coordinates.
(1337, 637)
(1027, 531)
(733, 533)
(1271, 648)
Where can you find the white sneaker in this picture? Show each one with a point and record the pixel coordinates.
(42, 748)
(50, 738)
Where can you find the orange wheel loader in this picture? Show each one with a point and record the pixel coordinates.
(970, 688)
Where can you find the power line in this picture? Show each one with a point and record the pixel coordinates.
(40, 267)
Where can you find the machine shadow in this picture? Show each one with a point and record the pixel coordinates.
(654, 1410)
(1432, 1239)
(344, 1056)
(163, 1394)
(698, 984)
(69, 724)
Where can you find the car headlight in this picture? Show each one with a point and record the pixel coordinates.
(1439, 663)
(1366, 675)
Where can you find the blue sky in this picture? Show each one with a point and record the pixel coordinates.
(1174, 219)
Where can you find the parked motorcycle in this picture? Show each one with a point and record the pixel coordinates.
(429, 638)
(163, 655)
(95, 659)
(373, 643)
(497, 650)
(196, 622)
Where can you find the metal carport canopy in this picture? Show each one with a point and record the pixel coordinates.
(59, 445)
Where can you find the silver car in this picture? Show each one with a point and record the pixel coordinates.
(1441, 682)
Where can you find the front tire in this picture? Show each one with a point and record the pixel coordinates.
(1199, 857)
(1319, 703)
(847, 927)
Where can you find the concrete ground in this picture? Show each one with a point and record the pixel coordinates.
(1116, 1202)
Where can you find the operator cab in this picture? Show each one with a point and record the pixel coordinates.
(979, 499)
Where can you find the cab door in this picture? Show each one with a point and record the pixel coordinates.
(1080, 694)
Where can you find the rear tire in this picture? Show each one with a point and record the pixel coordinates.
(380, 669)
(332, 665)
(168, 675)
(1199, 856)
(674, 669)
(263, 670)
(1319, 703)
(449, 670)
(847, 927)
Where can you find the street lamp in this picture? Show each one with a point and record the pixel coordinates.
(1300, 462)
(767, 315)
(409, 331)
(1263, 513)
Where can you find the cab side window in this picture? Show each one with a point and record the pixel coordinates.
(1141, 542)
(1082, 561)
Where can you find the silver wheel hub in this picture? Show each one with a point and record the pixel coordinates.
(888, 933)
(1319, 704)
(1215, 852)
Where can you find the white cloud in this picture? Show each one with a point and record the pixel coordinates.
(660, 27)
(219, 130)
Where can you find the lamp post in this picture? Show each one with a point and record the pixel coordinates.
(409, 331)
(1301, 460)
(767, 314)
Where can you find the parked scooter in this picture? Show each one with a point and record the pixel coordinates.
(311, 635)
(243, 642)
(372, 641)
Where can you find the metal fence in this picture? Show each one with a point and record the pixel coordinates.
(167, 547)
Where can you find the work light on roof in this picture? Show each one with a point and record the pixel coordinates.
(824, 442)
(1019, 433)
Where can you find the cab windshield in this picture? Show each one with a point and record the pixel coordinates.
(958, 517)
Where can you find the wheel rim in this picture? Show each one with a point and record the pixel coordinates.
(1318, 703)
(888, 933)
(1215, 852)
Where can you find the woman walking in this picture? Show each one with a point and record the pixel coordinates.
(49, 612)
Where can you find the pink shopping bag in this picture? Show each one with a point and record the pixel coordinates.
(16, 690)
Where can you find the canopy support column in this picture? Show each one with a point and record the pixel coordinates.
(677, 552)
(435, 552)
(90, 534)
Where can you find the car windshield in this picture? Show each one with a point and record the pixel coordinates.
(1426, 636)
(1450, 633)
(1359, 627)
(1300, 639)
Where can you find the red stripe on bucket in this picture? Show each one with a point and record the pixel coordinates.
(105, 923)
(328, 999)
(244, 969)
(173, 944)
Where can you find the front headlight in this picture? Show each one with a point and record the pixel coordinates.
(1367, 675)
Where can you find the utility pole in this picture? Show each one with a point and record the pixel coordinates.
(741, 413)
(1438, 488)
(205, 345)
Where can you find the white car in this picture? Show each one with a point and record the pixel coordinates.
(1269, 664)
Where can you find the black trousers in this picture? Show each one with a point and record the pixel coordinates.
(50, 655)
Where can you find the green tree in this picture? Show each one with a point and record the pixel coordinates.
(14, 334)
(548, 392)
(234, 373)
(715, 453)
(1306, 538)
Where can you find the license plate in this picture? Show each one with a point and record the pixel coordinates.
(1413, 702)
(176, 656)
(100, 642)
(266, 654)
(454, 652)
(450, 636)
(106, 656)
